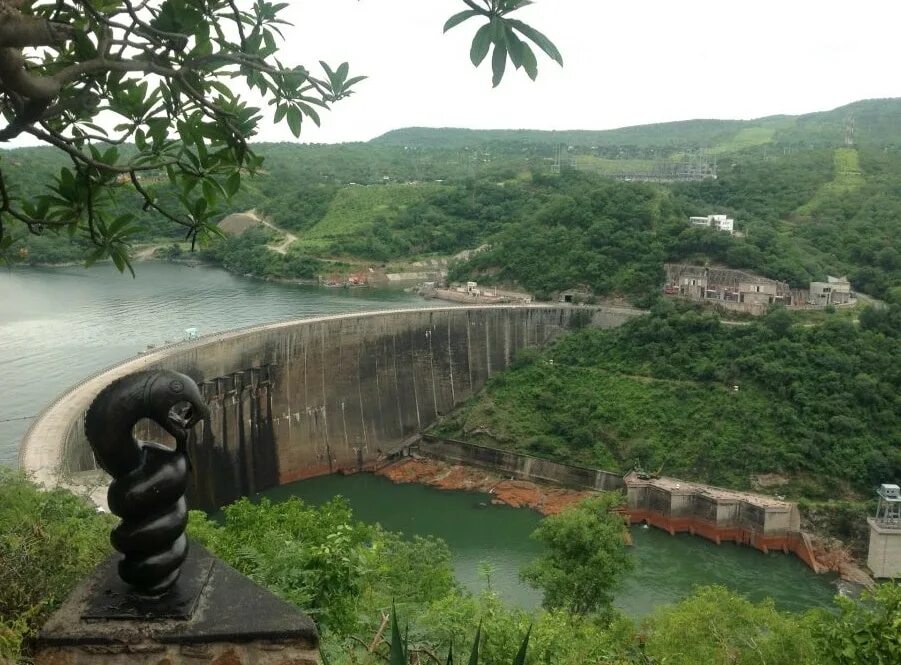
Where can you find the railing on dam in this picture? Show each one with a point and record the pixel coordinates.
(300, 398)
(520, 465)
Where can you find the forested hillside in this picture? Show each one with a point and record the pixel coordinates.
(876, 123)
(806, 205)
(680, 392)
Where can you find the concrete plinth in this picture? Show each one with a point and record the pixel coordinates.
(884, 556)
(234, 622)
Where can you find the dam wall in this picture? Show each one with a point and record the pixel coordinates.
(307, 397)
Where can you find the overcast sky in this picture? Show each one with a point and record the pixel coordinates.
(626, 63)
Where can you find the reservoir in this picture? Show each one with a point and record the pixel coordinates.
(496, 538)
(58, 326)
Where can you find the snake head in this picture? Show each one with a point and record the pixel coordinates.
(175, 404)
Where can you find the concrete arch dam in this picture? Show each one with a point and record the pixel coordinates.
(309, 397)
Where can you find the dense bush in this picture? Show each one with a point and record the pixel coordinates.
(346, 574)
(680, 391)
(248, 254)
(49, 541)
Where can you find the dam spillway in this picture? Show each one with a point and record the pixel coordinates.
(313, 396)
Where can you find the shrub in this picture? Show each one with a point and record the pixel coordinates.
(49, 541)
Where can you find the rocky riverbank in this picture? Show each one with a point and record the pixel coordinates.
(831, 554)
(504, 491)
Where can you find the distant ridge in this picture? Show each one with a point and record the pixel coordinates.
(876, 122)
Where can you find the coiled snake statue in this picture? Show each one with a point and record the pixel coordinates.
(149, 479)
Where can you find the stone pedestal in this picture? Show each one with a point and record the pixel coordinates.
(215, 616)
(884, 556)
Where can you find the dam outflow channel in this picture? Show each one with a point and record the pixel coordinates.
(299, 399)
(492, 539)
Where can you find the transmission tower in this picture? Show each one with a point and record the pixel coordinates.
(849, 130)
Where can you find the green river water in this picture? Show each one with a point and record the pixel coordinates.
(667, 567)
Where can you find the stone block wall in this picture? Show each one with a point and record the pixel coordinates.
(223, 653)
(523, 467)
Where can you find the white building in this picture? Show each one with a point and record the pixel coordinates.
(718, 222)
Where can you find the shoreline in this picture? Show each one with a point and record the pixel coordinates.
(831, 555)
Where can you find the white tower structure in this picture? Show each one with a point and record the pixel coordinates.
(884, 557)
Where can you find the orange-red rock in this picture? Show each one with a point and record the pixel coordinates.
(516, 493)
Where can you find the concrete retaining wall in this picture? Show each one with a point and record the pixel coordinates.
(307, 397)
(523, 467)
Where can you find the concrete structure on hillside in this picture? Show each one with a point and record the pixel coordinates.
(717, 222)
(834, 291)
(763, 522)
(309, 397)
(884, 556)
(732, 289)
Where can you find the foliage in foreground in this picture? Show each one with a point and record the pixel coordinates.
(585, 556)
(346, 573)
(141, 98)
(49, 541)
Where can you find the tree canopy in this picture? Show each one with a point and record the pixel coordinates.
(585, 557)
(144, 97)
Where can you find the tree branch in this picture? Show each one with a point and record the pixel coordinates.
(19, 31)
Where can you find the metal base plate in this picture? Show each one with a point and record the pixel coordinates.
(113, 599)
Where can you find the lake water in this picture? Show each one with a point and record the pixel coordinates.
(59, 325)
(667, 568)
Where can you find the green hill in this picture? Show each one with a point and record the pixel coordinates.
(807, 204)
(663, 134)
(681, 391)
(876, 122)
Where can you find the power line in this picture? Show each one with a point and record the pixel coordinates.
(9, 420)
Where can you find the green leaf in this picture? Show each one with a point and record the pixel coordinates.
(474, 655)
(498, 62)
(508, 6)
(397, 655)
(529, 61)
(480, 44)
(539, 39)
(233, 184)
(351, 81)
(457, 19)
(523, 648)
(514, 47)
(295, 119)
(209, 191)
(119, 224)
(310, 111)
(450, 655)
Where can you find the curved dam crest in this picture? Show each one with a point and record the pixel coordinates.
(308, 397)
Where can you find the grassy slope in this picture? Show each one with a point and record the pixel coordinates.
(358, 208)
(847, 177)
(747, 137)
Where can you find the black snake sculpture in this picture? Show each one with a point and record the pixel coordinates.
(149, 479)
